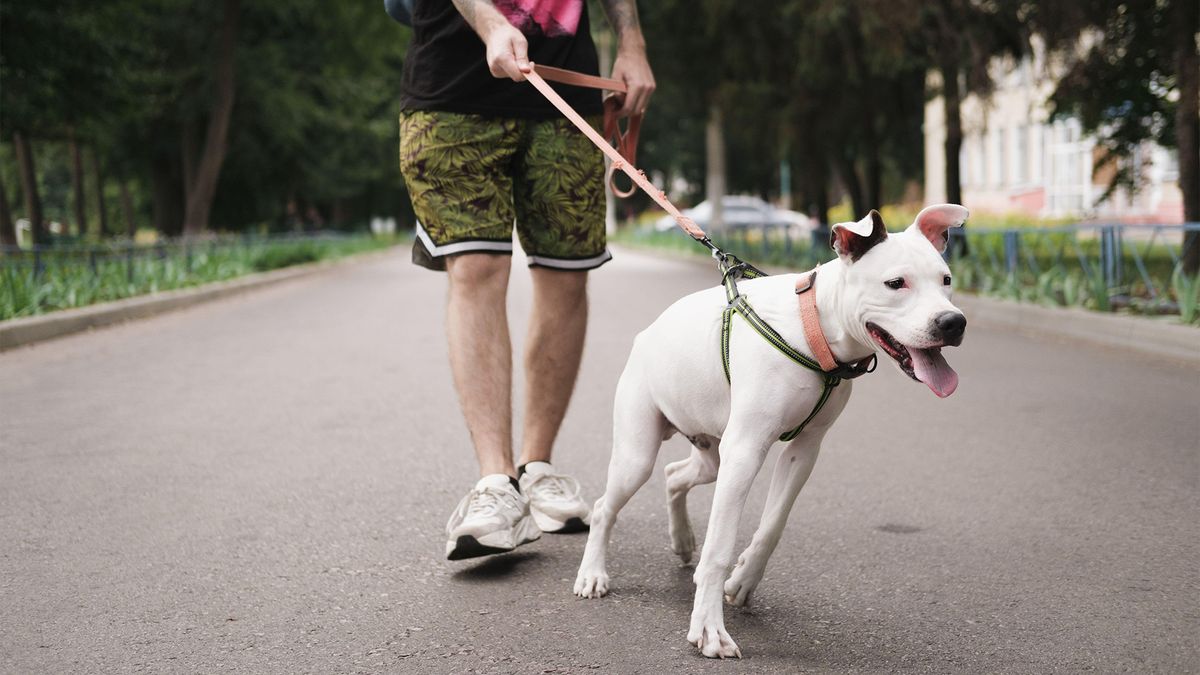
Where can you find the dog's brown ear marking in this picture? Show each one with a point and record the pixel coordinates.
(853, 240)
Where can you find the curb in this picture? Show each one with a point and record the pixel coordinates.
(32, 329)
(1140, 335)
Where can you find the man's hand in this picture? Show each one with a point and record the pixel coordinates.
(632, 68)
(507, 48)
(507, 52)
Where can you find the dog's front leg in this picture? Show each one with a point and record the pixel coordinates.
(792, 470)
(742, 455)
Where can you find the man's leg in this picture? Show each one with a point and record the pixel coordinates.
(552, 354)
(481, 354)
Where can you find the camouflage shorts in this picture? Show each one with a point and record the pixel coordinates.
(472, 177)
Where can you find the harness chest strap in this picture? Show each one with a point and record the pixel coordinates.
(832, 372)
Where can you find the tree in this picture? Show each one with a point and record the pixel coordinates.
(961, 39)
(203, 179)
(1131, 76)
(8, 228)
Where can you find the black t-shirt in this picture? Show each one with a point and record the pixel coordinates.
(446, 67)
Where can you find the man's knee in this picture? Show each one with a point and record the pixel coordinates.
(570, 285)
(479, 271)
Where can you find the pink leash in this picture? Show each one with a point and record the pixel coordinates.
(619, 162)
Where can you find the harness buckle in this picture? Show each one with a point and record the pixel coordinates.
(850, 371)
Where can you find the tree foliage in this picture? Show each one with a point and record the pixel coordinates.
(313, 122)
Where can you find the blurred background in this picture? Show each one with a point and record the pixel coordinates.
(142, 121)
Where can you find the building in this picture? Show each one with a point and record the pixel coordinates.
(1013, 160)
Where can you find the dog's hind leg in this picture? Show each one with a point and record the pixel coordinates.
(697, 469)
(792, 470)
(638, 429)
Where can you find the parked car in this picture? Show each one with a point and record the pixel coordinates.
(740, 212)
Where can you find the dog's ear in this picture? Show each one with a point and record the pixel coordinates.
(853, 240)
(934, 221)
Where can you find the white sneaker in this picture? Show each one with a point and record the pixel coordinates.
(554, 499)
(492, 518)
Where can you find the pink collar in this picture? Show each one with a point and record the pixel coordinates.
(811, 318)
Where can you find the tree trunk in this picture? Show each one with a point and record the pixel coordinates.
(820, 190)
(127, 210)
(8, 228)
(849, 175)
(167, 192)
(201, 191)
(98, 179)
(874, 191)
(77, 194)
(714, 153)
(339, 213)
(1187, 124)
(188, 156)
(33, 201)
(951, 104)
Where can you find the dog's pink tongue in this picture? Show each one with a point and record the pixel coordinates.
(931, 368)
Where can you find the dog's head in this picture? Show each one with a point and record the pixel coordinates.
(898, 287)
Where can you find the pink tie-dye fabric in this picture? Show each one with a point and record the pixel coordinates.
(555, 18)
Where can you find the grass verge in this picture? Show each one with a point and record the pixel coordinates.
(76, 277)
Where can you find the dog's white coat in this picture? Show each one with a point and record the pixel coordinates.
(674, 381)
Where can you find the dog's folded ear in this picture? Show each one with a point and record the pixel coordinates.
(934, 221)
(853, 240)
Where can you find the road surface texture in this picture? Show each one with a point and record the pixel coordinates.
(260, 484)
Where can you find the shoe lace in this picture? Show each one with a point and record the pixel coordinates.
(487, 501)
(554, 486)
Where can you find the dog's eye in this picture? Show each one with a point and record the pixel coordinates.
(894, 284)
(946, 280)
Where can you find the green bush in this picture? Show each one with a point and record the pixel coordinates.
(286, 255)
(80, 277)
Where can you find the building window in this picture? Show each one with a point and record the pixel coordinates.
(1001, 177)
(1021, 157)
(1039, 168)
(981, 156)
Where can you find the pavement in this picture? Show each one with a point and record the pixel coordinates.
(260, 484)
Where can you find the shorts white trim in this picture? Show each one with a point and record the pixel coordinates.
(460, 246)
(572, 264)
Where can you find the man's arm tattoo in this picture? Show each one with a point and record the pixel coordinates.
(622, 15)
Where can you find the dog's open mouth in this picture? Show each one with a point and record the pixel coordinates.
(923, 365)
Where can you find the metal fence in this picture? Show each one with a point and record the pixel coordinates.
(1103, 266)
(39, 261)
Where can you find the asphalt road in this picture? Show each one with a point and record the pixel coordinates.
(260, 484)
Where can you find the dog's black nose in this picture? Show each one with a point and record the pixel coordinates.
(951, 325)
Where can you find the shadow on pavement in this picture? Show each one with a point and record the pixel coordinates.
(496, 567)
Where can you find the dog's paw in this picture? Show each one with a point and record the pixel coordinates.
(591, 584)
(683, 541)
(740, 585)
(713, 641)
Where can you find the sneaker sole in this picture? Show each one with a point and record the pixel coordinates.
(467, 546)
(554, 526)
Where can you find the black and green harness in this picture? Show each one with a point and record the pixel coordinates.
(732, 270)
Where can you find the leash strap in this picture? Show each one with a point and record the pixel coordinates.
(619, 162)
(625, 140)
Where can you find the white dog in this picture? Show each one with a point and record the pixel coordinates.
(889, 292)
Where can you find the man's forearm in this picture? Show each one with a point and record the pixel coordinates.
(481, 15)
(623, 17)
